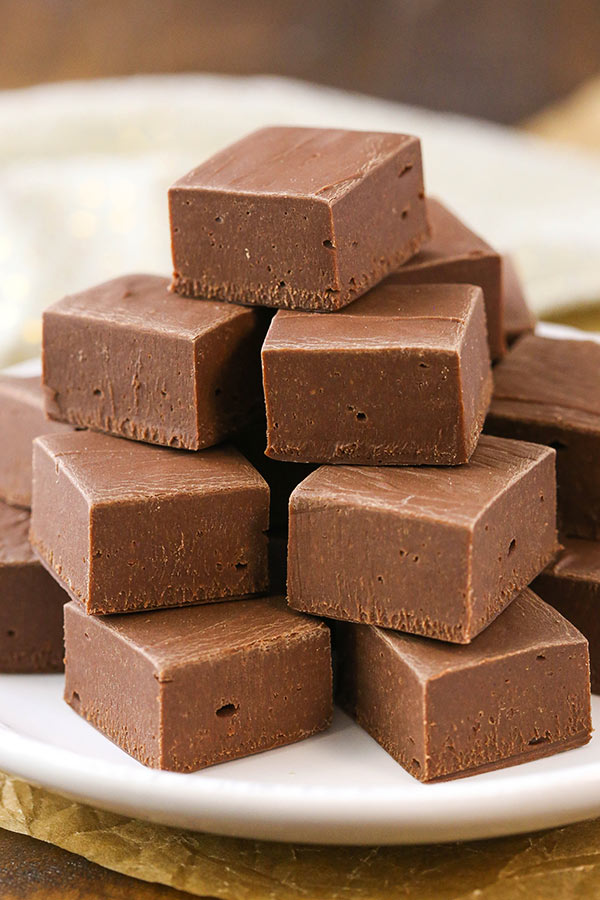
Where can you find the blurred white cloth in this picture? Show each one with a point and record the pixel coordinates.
(84, 169)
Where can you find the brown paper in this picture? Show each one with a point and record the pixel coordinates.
(562, 863)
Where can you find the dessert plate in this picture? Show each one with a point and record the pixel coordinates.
(336, 787)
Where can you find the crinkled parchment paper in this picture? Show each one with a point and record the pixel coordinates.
(562, 863)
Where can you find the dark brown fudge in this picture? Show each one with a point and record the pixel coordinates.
(31, 602)
(126, 526)
(571, 584)
(278, 561)
(548, 391)
(282, 477)
(402, 376)
(187, 688)
(520, 691)
(435, 551)
(303, 218)
(22, 418)
(518, 318)
(456, 255)
(129, 358)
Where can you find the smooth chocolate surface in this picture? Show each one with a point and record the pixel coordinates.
(303, 218)
(518, 318)
(22, 418)
(401, 376)
(520, 691)
(129, 358)
(31, 602)
(187, 688)
(548, 391)
(456, 255)
(435, 551)
(126, 526)
(571, 584)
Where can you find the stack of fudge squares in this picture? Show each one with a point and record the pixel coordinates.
(309, 393)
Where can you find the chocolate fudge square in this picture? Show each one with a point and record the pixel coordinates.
(22, 418)
(548, 391)
(436, 551)
(400, 377)
(125, 526)
(303, 218)
(571, 584)
(518, 692)
(31, 602)
(456, 255)
(129, 358)
(187, 688)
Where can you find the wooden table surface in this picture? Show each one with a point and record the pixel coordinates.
(33, 869)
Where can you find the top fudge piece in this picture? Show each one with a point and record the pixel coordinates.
(129, 358)
(402, 376)
(547, 391)
(125, 526)
(432, 550)
(518, 318)
(303, 218)
(457, 255)
(22, 418)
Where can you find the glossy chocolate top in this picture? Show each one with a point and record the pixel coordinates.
(107, 468)
(526, 624)
(550, 381)
(186, 635)
(323, 163)
(14, 541)
(428, 491)
(450, 494)
(144, 302)
(389, 315)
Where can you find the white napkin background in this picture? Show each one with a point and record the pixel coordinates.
(84, 169)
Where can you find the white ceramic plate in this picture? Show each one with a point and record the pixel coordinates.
(337, 787)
